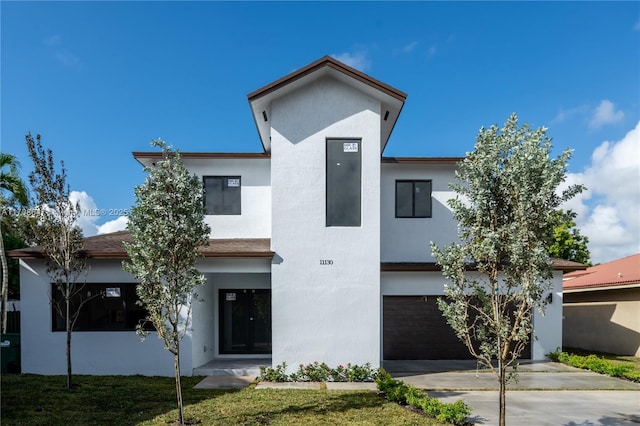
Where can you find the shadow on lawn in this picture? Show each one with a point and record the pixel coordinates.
(101, 400)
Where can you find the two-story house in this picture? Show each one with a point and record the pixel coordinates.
(319, 247)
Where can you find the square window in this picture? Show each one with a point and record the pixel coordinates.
(222, 195)
(413, 198)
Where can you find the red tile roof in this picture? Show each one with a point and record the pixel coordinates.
(621, 272)
(109, 246)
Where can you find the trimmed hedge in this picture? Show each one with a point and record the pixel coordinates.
(397, 391)
(597, 364)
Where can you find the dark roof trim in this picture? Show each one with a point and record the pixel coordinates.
(205, 155)
(332, 63)
(422, 160)
(558, 265)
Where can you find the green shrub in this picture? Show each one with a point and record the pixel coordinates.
(320, 372)
(596, 364)
(277, 374)
(397, 391)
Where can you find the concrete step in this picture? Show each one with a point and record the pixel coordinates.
(232, 367)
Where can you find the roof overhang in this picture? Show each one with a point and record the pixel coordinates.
(391, 99)
(149, 159)
(558, 265)
(598, 287)
(110, 246)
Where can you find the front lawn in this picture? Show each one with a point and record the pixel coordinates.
(137, 400)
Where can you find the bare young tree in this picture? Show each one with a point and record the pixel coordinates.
(167, 227)
(507, 195)
(55, 230)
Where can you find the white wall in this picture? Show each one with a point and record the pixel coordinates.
(97, 353)
(255, 218)
(323, 313)
(206, 323)
(407, 239)
(547, 327)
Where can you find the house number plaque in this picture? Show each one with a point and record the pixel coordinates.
(326, 262)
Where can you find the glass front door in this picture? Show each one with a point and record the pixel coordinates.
(245, 321)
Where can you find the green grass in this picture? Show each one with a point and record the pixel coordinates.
(136, 400)
(626, 367)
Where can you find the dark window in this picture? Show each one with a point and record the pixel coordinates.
(343, 182)
(109, 307)
(222, 195)
(413, 198)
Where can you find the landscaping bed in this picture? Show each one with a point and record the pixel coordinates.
(625, 367)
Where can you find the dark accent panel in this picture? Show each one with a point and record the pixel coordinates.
(344, 176)
(414, 328)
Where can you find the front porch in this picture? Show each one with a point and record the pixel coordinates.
(232, 367)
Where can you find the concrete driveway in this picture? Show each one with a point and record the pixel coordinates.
(546, 393)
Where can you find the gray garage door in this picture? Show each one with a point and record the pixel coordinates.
(414, 328)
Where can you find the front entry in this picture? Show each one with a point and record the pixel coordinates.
(245, 321)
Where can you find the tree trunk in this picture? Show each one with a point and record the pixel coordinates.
(176, 366)
(503, 391)
(5, 285)
(68, 321)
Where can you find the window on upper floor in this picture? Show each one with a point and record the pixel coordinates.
(108, 307)
(413, 198)
(344, 175)
(222, 195)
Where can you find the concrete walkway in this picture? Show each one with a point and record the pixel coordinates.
(547, 393)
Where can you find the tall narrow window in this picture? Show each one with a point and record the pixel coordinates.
(413, 198)
(344, 174)
(222, 195)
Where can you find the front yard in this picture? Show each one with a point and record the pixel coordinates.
(137, 400)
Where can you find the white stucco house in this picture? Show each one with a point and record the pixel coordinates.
(319, 248)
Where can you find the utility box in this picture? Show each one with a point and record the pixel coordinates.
(10, 353)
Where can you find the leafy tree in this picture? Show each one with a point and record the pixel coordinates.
(56, 231)
(568, 243)
(13, 191)
(506, 195)
(167, 227)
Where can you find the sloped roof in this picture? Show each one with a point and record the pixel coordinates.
(624, 272)
(260, 100)
(109, 246)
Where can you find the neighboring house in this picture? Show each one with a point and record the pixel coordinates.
(319, 247)
(602, 307)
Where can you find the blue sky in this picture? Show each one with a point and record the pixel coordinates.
(99, 80)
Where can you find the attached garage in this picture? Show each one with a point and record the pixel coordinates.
(414, 328)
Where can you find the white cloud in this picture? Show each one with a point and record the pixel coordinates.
(433, 49)
(90, 215)
(605, 113)
(609, 210)
(119, 224)
(565, 114)
(63, 55)
(357, 60)
(410, 47)
(636, 27)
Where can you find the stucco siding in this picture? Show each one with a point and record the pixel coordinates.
(408, 239)
(604, 321)
(98, 353)
(330, 312)
(255, 218)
